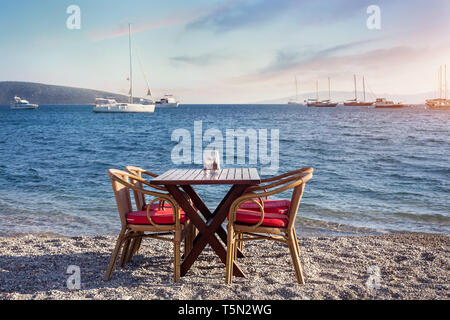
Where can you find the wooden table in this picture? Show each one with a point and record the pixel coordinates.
(177, 180)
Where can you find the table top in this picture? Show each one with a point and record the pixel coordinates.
(199, 176)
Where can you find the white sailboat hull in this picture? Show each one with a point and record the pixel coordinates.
(125, 108)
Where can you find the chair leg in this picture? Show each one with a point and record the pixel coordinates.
(295, 257)
(130, 251)
(236, 245)
(241, 243)
(114, 255)
(230, 255)
(135, 244)
(176, 262)
(124, 251)
(138, 243)
(296, 242)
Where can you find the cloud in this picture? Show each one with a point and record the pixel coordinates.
(287, 59)
(200, 60)
(176, 18)
(325, 63)
(237, 14)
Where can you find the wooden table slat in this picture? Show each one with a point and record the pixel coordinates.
(245, 173)
(238, 174)
(167, 173)
(187, 174)
(194, 173)
(177, 175)
(223, 174)
(230, 174)
(253, 173)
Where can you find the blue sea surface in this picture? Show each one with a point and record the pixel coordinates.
(375, 170)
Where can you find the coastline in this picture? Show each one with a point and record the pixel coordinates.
(412, 266)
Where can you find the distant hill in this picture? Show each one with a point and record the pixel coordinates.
(341, 96)
(45, 94)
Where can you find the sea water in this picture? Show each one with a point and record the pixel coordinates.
(376, 171)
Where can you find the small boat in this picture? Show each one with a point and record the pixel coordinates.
(386, 104)
(168, 101)
(295, 102)
(22, 104)
(324, 103)
(107, 105)
(442, 103)
(355, 102)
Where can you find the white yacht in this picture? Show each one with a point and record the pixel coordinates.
(103, 105)
(21, 104)
(168, 101)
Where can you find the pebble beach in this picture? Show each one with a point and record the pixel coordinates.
(395, 266)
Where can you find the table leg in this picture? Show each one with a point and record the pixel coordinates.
(207, 230)
(200, 205)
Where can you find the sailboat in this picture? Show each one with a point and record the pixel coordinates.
(323, 103)
(296, 94)
(355, 102)
(441, 103)
(103, 105)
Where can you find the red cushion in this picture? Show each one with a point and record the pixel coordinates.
(270, 206)
(158, 216)
(270, 219)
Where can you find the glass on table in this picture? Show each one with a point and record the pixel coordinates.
(211, 162)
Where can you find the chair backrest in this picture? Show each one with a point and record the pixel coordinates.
(296, 197)
(139, 198)
(121, 193)
(296, 182)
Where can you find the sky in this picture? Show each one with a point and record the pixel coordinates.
(233, 51)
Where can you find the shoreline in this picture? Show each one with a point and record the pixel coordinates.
(411, 266)
(305, 227)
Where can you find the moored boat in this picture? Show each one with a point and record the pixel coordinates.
(112, 106)
(355, 102)
(386, 104)
(168, 101)
(442, 103)
(103, 105)
(22, 104)
(322, 103)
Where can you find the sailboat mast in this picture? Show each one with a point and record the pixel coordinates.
(317, 90)
(364, 88)
(296, 89)
(329, 89)
(356, 93)
(440, 82)
(131, 65)
(445, 81)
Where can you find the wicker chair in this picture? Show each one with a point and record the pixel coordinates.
(246, 224)
(149, 221)
(140, 201)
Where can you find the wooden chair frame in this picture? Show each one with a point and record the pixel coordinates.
(141, 203)
(132, 234)
(239, 233)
